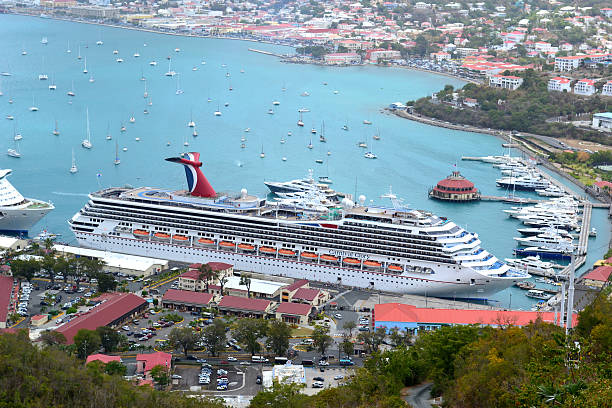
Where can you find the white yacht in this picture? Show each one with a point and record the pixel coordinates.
(544, 239)
(523, 183)
(17, 213)
(532, 264)
(86, 143)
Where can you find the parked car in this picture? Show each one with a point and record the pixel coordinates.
(230, 358)
(258, 380)
(176, 377)
(317, 384)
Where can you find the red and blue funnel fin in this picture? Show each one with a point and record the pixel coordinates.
(196, 181)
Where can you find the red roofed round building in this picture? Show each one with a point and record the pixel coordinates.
(455, 188)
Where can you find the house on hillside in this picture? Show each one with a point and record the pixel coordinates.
(585, 87)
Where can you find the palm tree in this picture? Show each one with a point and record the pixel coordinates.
(48, 245)
(245, 280)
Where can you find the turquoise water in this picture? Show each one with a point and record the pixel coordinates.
(411, 156)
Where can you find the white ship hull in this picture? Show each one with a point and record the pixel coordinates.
(442, 283)
(21, 220)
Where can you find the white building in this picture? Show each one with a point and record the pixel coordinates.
(559, 84)
(568, 63)
(585, 87)
(607, 89)
(440, 56)
(505, 81)
(602, 120)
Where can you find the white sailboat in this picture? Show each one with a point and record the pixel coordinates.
(68, 50)
(43, 76)
(85, 68)
(73, 167)
(16, 136)
(117, 161)
(300, 122)
(108, 133)
(146, 93)
(79, 56)
(56, 131)
(179, 91)
(14, 152)
(52, 86)
(262, 154)
(132, 118)
(86, 143)
(71, 91)
(191, 123)
(170, 72)
(33, 108)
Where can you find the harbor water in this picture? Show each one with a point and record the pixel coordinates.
(412, 157)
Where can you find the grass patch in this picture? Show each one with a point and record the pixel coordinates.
(301, 332)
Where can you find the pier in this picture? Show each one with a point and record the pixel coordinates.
(512, 200)
(267, 53)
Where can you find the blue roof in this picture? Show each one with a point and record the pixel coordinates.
(607, 115)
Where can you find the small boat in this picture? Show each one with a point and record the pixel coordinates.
(226, 104)
(305, 94)
(153, 63)
(282, 140)
(13, 153)
(242, 145)
(115, 52)
(44, 41)
(362, 144)
(123, 128)
(538, 294)
(132, 119)
(85, 68)
(119, 60)
(179, 91)
(525, 285)
(319, 161)
(116, 161)
(44, 235)
(186, 144)
(270, 111)
(284, 158)
(86, 143)
(73, 167)
(247, 130)
(243, 139)
(145, 111)
(136, 55)
(177, 50)
(262, 154)
(91, 79)
(43, 77)
(195, 133)
(71, 91)
(313, 131)
(124, 149)
(275, 103)
(217, 112)
(55, 131)
(10, 117)
(99, 42)
(370, 155)
(145, 94)
(309, 146)
(194, 68)
(303, 110)
(137, 139)
(345, 127)
(366, 122)
(335, 92)
(289, 133)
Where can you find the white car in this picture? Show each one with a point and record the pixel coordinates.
(338, 377)
(230, 358)
(338, 316)
(176, 377)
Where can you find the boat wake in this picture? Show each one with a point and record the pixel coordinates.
(69, 194)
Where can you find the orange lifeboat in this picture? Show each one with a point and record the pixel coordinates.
(286, 252)
(329, 258)
(227, 244)
(161, 235)
(246, 247)
(180, 238)
(351, 261)
(395, 268)
(310, 256)
(267, 250)
(206, 241)
(140, 233)
(372, 264)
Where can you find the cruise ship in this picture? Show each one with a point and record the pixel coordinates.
(17, 213)
(391, 249)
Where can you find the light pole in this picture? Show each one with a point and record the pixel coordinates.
(570, 295)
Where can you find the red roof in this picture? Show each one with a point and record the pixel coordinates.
(602, 184)
(103, 358)
(114, 306)
(306, 294)
(155, 359)
(301, 309)
(246, 304)
(6, 287)
(190, 274)
(187, 296)
(450, 183)
(601, 274)
(296, 285)
(215, 266)
(398, 312)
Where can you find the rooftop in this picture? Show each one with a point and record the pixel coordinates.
(6, 287)
(296, 285)
(187, 296)
(268, 288)
(601, 274)
(154, 359)
(306, 294)
(103, 358)
(113, 306)
(246, 304)
(301, 309)
(113, 259)
(398, 312)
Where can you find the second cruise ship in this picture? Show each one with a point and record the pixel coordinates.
(391, 249)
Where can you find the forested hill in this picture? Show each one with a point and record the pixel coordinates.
(525, 109)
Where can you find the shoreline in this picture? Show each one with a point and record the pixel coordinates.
(154, 31)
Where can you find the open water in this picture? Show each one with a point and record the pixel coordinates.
(411, 156)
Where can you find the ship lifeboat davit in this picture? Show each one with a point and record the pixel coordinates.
(286, 252)
(162, 236)
(226, 245)
(372, 264)
(309, 256)
(180, 238)
(267, 250)
(246, 247)
(329, 258)
(205, 241)
(395, 268)
(141, 233)
(351, 261)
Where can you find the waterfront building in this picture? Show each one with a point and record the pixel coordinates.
(560, 84)
(455, 188)
(293, 313)
(585, 87)
(375, 55)
(243, 306)
(569, 63)
(342, 58)
(440, 56)
(598, 277)
(505, 81)
(186, 300)
(607, 89)
(602, 120)
(190, 280)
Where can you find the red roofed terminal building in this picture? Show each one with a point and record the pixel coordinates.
(455, 188)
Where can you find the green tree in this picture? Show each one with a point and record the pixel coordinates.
(278, 337)
(321, 338)
(348, 326)
(249, 332)
(206, 274)
(106, 282)
(115, 368)
(245, 280)
(160, 375)
(215, 336)
(373, 339)
(347, 347)
(281, 396)
(109, 338)
(184, 338)
(52, 338)
(86, 342)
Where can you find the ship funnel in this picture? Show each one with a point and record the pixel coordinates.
(196, 181)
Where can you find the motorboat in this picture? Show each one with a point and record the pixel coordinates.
(532, 263)
(538, 294)
(545, 239)
(552, 252)
(370, 155)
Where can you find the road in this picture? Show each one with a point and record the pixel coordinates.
(419, 396)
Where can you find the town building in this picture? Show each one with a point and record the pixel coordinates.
(505, 81)
(146, 362)
(300, 292)
(376, 55)
(607, 89)
(598, 277)
(293, 313)
(584, 87)
(560, 84)
(116, 262)
(568, 63)
(259, 288)
(470, 102)
(103, 358)
(6, 299)
(12, 243)
(39, 320)
(342, 58)
(186, 300)
(242, 306)
(455, 188)
(112, 310)
(602, 120)
(414, 319)
(190, 280)
(440, 56)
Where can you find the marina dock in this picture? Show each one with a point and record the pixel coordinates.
(267, 53)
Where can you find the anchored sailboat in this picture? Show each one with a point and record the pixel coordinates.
(87, 142)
